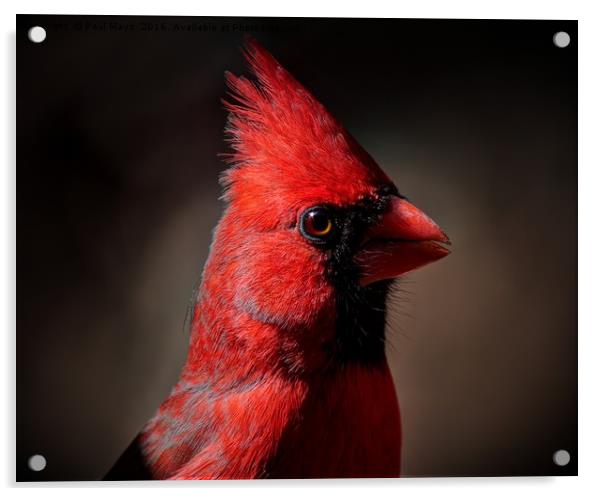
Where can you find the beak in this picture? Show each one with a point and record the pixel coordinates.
(404, 240)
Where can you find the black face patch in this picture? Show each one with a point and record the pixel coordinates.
(361, 311)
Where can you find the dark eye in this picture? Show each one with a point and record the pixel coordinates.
(317, 223)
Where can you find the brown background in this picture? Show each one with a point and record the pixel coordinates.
(118, 130)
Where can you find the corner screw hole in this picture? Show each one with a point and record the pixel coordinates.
(37, 34)
(37, 463)
(562, 458)
(561, 39)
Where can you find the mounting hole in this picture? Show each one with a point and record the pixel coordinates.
(37, 34)
(561, 39)
(562, 458)
(37, 463)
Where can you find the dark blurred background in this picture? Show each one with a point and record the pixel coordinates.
(119, 127)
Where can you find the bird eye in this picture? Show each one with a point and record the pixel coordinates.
(316, 223)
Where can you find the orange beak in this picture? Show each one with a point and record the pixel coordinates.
(404, 240)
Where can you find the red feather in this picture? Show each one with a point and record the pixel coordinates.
(260, 395)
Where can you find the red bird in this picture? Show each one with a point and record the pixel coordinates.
(286, 375)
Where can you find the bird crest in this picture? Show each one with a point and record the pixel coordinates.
(285, 141)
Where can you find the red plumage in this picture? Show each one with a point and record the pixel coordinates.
(276, 383)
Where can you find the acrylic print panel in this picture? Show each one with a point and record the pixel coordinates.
(325, 327)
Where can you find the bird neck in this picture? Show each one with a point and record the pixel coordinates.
(232, 330)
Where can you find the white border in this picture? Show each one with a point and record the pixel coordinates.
(590, 232)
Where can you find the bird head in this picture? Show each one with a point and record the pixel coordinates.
(313, 230)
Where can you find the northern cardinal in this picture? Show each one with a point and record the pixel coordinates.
(286, 375)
